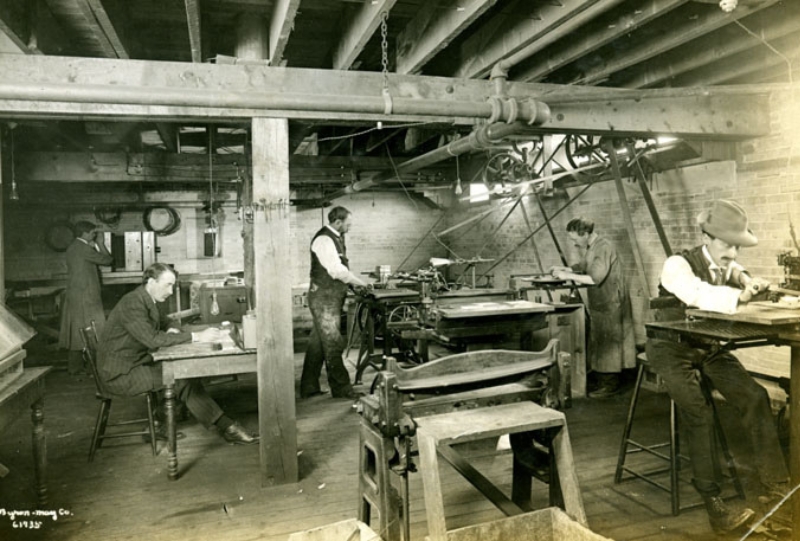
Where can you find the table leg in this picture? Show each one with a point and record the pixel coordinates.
(172, 440)
(39, 452)
(794, 435)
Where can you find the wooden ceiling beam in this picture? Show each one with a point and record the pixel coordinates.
(193, 23)
(115, 167)
(600, 35)
(358, 31)
(281, 24)
(28, 27)
(435, 25)
(97, 30)
(106, 13)
(713, 47)
(519, 27)
(52, 87)
(738, 66)
(646, 48)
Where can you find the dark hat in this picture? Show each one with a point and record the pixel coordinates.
(727, 221)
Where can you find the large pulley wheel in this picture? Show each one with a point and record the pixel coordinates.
(585, 151)
(503, 170)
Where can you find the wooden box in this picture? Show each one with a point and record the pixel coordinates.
(346, 530)
(550, 524)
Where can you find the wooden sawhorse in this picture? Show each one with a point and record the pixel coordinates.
(437, 433)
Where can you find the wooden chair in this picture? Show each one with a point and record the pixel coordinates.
(89, 336)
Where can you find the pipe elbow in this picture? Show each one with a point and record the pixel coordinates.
(499, 70)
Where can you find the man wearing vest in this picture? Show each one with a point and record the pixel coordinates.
(330, 278)
(708, 277)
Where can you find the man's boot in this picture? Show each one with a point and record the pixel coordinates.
(608, 385)
(725, 518)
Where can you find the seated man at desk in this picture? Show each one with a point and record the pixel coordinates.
(134, 329)
(708, 277)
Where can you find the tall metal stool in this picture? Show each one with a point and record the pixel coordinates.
(673, 456)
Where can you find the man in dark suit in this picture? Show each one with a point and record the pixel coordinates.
(134, 329)
(82, 301)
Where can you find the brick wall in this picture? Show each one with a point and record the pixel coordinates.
(765, 179)
(386, 228)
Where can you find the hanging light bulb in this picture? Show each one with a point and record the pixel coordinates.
(214, 304)
(14, 196)
(459, 190)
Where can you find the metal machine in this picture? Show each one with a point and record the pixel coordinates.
(464, 381)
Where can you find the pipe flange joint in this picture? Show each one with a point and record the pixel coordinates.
(497, 109)
(513, 110)
(539, 112)
(388, 104)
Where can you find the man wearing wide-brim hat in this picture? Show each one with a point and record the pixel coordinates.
(708, 277)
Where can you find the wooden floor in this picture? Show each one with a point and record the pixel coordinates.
(125, 495)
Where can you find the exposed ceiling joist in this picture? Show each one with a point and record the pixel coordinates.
(281, 25)
(514, 31)
(169, 135)
(591, 40)
(433, 28)
(358, 30)
(755, 59)
(711, 48)
(194, 26)
(106, 13)
(643, 49)
(98, 31)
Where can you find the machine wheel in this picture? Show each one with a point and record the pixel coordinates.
(406, 348)
(585, 150)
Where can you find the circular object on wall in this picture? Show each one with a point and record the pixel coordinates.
(59, 235)
(162, 220)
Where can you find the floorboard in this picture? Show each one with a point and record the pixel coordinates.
(124, 495)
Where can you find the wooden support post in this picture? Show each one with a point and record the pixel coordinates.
(626, 213)
(252, 43)
(3, 180)
(273, 300)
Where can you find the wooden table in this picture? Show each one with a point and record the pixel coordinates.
(27, 391)
(197, 360)
(780, 326)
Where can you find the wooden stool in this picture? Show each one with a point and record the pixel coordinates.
(673, 457)
(436, 434)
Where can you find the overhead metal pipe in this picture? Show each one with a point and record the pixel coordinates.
(494, 109)
(481, 138)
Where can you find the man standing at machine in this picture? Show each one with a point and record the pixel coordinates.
(330, 279)
(82, 301)
(611, 339)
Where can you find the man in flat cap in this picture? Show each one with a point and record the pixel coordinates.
(708, 277)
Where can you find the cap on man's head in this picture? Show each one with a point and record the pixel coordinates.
(727, 221)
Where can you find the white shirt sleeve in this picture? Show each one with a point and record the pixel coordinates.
(326, 252)
(677, 278)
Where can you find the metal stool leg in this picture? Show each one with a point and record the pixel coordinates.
(626, 433)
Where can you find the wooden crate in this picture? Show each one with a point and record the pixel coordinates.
(338, 531)
(11, 368)
(550, 524)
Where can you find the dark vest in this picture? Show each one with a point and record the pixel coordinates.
(699, 264)
(319, 275)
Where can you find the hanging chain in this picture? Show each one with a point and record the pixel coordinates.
(385, 50)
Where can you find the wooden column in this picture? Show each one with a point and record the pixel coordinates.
(252, 43)
(3, 181)
(273, 301)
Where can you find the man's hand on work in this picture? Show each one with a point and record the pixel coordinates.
(753, 287)
(211, 334)
(559, 268)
